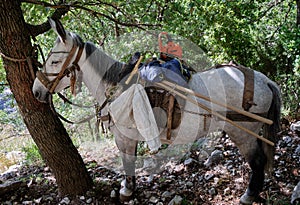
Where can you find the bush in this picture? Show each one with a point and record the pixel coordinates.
(32, 154)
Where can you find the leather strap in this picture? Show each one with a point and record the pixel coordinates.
(248, 84)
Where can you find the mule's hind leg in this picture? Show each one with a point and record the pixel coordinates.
(257, 161)
(128, 148)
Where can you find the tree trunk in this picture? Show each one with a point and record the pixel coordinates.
(45, 128)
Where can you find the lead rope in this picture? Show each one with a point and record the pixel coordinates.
(88, 118)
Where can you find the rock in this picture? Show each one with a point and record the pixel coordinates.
(208, 176)
(37, 201)
(15, 156)
(153, 200)
(227, 191)
(287, 139)
(10, 186)
(295, 126)
(65, 200)
(131, 202)
(27, 202)
(113, 194)
(296, 194)
(176, 200)
(214, 158)
(147, 194)
(189, 184)
(166, 194)
(188, 161)
(212, 191)
(49, 198)
(88, 201)
(297, 151)
(216, 180)
(11, 172)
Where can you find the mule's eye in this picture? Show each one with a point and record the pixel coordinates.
(55, 62)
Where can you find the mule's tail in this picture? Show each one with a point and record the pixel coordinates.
(270, 131)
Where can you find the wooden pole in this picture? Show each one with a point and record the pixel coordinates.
(134, 71)
(243, 112)
(170, 89)
(170, 116)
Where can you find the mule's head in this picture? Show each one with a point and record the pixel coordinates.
(59, 70)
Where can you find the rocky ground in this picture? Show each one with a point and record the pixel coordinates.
(189, 181)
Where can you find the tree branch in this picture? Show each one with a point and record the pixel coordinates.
(61, 10)
(115, 20)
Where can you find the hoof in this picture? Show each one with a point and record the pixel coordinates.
(125, 198)
(246, 199)
(125, 193)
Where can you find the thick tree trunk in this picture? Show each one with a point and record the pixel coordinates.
(46, 129)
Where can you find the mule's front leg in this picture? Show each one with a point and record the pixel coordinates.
(128, 184)
(128, 148)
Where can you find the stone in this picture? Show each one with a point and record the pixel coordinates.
(295, 126)
(214, 158)
(27, 202)
(296, 194)
(166, 194)
(207, 176)
(37, 201)
(176, 200)
(227, 191)
(49, 198)
(212, 192)
(113, 194)
(189, 184)
(65, 200)
(10, 186)
(188, 161)
(153, 200)
(88, 201)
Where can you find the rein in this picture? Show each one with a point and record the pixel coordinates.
(88, 118)
(100, 117)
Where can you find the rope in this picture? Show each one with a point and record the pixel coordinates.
(12, 59)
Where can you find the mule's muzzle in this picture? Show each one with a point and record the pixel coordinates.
(44, 98)
(40, 92)
(45, 81)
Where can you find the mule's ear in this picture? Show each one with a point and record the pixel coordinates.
(58, 28)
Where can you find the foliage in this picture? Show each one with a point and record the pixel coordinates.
(32, 154)
(290, 83)
(260, 34)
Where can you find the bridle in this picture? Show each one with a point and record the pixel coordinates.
(66, 70)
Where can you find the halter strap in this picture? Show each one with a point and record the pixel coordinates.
(65, 71)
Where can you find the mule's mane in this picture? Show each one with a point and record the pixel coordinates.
(99, 60)
(108, 68)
